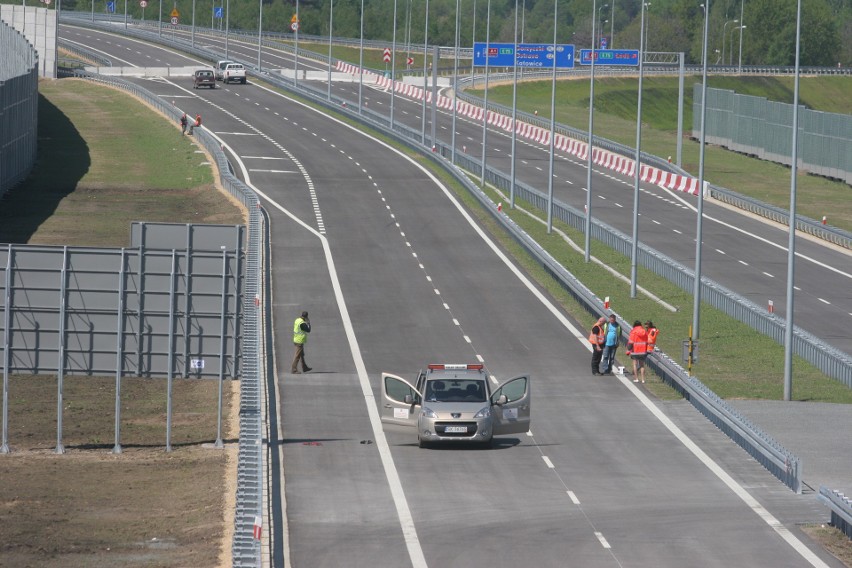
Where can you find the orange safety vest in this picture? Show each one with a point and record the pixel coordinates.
(596, 339)
(652, 338)
(638, 340)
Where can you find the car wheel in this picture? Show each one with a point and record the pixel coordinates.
(244, 81)
(422, 443)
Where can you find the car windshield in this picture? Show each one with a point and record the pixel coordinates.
(455, 390)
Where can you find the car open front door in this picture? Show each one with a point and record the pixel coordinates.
(512, 417)
(401, 401)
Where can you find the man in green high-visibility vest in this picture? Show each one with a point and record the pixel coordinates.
(301, 329)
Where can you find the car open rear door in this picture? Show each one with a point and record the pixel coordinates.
(401, 401)
(512, 417)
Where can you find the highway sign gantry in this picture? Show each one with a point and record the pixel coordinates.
(536, 55)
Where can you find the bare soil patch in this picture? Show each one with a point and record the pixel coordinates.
(90, 507)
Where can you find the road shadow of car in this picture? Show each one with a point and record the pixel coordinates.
(496, 444)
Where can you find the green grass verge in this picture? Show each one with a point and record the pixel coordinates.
(104, 161)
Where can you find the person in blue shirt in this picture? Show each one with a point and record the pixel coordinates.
(612, 333)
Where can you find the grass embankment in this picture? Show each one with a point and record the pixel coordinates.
(105, 160)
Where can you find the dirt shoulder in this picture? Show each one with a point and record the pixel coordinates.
(105, 160)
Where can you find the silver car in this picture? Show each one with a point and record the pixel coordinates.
(457, 404)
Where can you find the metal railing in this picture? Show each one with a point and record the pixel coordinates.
(841, 509)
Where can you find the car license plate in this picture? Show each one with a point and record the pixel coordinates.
(455, 429)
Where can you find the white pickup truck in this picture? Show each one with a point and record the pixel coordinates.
(228, 72)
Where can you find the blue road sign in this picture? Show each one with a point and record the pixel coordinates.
(529, 55)
(218, 12)
(111, 7)
(610, 57)
(603, 42)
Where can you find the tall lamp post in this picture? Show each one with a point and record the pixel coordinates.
(724, 36)
(740, 64)
(600, 28)
(612, 26)
(330, 28)
(699, 228)
(647, 23)
(634, 262)
(590, 161)
(731, 54)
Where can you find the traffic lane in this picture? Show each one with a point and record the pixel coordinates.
(686, 471)
(354, 230)
(126, 50)
(336, 488)
(652, 500)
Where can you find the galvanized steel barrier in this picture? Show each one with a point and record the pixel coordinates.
(18, 107)
(841, 509)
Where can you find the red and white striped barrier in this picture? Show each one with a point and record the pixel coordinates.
(601, 157)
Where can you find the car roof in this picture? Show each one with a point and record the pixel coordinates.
(444, 372)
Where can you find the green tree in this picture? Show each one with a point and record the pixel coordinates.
(770, 35)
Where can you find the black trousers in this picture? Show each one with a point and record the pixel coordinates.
(597, 354)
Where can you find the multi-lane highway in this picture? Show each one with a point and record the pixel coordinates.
(396, 274)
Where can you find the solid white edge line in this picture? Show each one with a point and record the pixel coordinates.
(737, 489)
(757, 237)
(415, 551)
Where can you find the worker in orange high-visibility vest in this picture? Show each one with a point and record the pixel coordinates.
(637, 348)
(652, 332)
(596, 338)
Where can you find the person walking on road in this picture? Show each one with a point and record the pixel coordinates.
(612, 331)
(183, 122)
(637, 348)
(596, 338)
(301, 329)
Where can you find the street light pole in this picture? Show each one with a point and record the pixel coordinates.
(596, 44)
(612, 26)
(634, 257)
(699, 229)
(724, 35)
(740, 64)
(646, 5)
(731, 52)
(740, 60)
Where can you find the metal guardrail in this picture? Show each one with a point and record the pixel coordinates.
(246, 550)
(85, 53)
(841, 509)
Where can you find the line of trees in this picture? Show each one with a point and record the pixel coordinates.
(768, 26)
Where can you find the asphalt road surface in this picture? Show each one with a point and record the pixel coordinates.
(396, 275)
